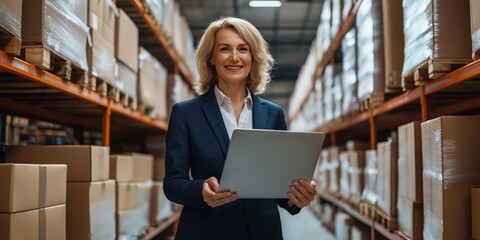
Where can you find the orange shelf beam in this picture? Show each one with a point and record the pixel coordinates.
(163, 41)
(119, 108)
(29, 71)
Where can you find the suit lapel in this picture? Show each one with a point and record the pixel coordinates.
(214, 116)
(260, 113)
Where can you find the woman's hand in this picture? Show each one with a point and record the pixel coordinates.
(212, 197)
(302, 193)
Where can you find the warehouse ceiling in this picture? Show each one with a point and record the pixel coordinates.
(289, 30)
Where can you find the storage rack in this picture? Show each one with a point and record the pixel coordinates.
(30, 92)
(434, 99)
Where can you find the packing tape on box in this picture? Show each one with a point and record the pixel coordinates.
(42, 224)
(42, 181)
(476, 213)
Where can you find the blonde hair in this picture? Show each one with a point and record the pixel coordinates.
(262, 60)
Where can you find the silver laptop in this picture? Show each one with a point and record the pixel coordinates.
(263, 163)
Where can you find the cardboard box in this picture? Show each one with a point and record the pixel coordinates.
(11, 20)
(387, 180)
(410, 183)
(126, 41)
(46, 223)
(344, 176)
(160, 207)
(110, 12)
(27, 186)
(121, 168)
(125, 79)
(410, 218)
(476, 212)
(84, 163)
(450, 168)
(19, 187)
(133, 195)
(133, 223)
(142, 166)
(91, 210)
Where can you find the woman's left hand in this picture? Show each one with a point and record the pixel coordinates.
(302, 193)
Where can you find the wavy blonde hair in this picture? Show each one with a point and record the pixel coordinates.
(262, 60)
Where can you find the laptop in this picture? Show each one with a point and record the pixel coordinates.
(263, 163)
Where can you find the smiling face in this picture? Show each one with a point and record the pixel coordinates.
(231, 56)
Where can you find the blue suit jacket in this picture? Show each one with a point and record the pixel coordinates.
(197, 143)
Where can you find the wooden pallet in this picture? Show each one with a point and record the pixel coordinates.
(354, 200)
(386, 221)
(145, 109)
(372, 101)
(44, 58)
(104, 88)
(10, 44)
(430, 70)
(367, 209)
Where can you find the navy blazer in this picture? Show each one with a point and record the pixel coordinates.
(197, 144)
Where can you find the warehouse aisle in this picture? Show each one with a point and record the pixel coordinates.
(303, 226)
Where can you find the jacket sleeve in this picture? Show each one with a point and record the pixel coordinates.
(177, 185)
(283, 203)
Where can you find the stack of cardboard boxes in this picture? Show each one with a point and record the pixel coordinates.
(133, 173)
(101, 20)
(410, 186)
(90, 195)
(387, 156)
(32, 203)
(450, 169)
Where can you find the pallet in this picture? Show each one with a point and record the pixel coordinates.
(145, 109)
(104, 88)
(430, 70)
(44, 58)
(354, 200)
(372, 101)
(386, 221)
(367, 209)
(10, 44)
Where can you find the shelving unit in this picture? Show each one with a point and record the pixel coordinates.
(454, 93)
(153, 40)
(28, 91)
(355, 214)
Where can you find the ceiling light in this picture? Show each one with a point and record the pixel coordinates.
(265, 3)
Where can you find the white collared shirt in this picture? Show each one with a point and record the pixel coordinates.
(228, 115)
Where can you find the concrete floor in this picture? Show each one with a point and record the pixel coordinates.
(304, 226)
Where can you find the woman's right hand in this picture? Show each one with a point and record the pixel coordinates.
(212, 197)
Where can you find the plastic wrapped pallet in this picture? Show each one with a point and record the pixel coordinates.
(337, 94)
(11, 17)
(58, 25)
(156, 9)
(475, 24)
(450, 168)
(323, 36)
(393, 34)
(349, 73)
(125, 79)
(346, 8)
(152, 80)
(432, 33)
(327, 78)
(356, 174)
(336, 17)
(334, 166)
(303, 82)
(319, 107)
(369, 193)
(371, 76)
(126, 41)
(100, 55)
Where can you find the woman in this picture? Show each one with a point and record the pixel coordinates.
(234, 65)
